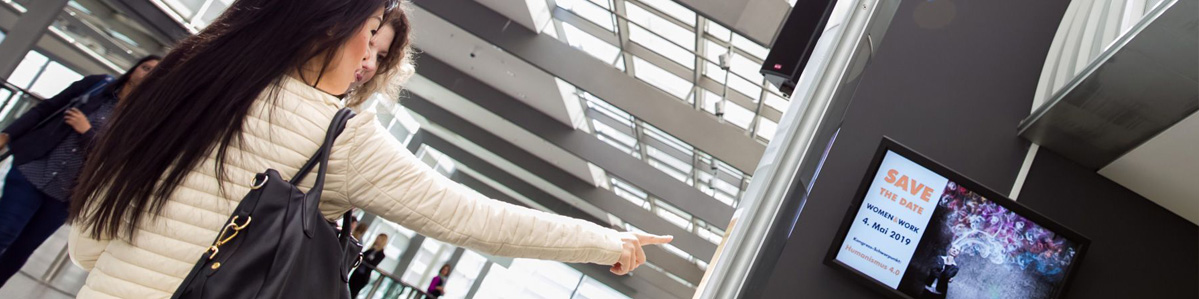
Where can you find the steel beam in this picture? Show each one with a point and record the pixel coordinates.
(22, 36)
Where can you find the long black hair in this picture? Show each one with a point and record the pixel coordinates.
(196, 100)
(124, 78)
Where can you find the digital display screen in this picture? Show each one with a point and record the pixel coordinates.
(921, 234)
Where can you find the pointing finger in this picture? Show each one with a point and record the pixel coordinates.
(654, 239)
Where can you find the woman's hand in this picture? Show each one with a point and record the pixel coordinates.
(4, 138)
(632, 255)
(77, 120)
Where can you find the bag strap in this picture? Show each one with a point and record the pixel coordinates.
(313, 197)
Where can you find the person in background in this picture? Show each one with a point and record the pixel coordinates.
(358, 231)
(250, 92)
(437, 286)
(389, 64)
(370, 259)
(49, 144)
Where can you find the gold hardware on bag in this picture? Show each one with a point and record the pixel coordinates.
(216, 265)
(222, 239)
(255, 184)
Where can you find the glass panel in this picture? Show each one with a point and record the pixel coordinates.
(749, 46)
(668, 169)
(660, 78)
(616, 135)
(712, 50)
(673, 9)
(746, 68)
(662, 47)
(26, 71)
(590, 11)
(212, 13)
(679, 35)
(606, 4)
(668, 139)
(749, 89)
(726, 198)
(709, 235)
(720, 32)
(766, 128)
(713, 71)
(629, 192)
(614, 143)
(673, 219)
(669, 160)
(776, 102)
(722, 185)
(185, 8)
(54, 79)
(589, 43)
(677, 251)
(710, 99)
(604, 107)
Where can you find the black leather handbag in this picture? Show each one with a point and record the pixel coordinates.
(277, 244)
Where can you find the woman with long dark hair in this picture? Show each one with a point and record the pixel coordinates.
(49, 144)
(256, 90)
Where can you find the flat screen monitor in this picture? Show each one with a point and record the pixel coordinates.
(919, 230)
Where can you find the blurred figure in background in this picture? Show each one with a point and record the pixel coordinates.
(49, 144)
(437, 286)
(358, 231)
(370, 258)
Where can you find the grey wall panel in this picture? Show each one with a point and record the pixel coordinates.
(1138, 249)
(954, 91)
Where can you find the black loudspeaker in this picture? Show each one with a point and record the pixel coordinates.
(794, 42)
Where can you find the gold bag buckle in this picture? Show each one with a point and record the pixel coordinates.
(222, 239)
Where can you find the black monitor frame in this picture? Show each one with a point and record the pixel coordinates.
(888, 144)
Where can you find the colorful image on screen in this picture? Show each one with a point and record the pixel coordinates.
(929, 237)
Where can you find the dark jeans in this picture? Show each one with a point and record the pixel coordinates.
(27, 218)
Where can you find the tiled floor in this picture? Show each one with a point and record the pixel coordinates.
(28, 284)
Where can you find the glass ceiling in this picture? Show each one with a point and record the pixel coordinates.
(678, 51)
(193, 14)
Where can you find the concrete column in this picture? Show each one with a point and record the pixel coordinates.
(474, 288)
(409, 254)
(26, 32)
(454, 257)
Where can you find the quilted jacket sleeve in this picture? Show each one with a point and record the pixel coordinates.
(83, 249)
(385, 179)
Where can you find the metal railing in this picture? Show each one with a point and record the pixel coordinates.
(16, 101)
(387, 285)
